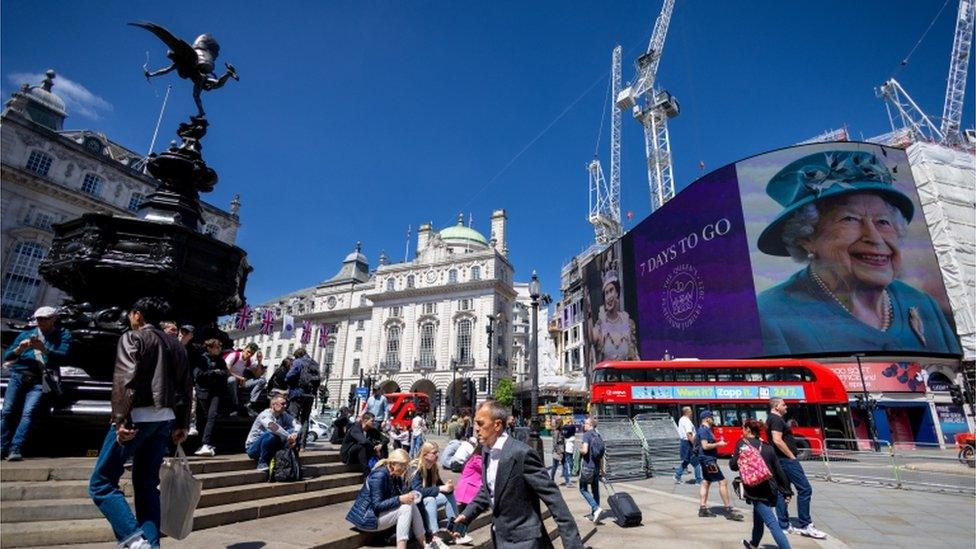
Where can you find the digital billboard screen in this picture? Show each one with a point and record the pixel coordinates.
(811, 250)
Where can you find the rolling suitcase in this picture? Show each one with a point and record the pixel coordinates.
(624, 508)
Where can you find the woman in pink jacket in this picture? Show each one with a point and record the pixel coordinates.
(466, 489)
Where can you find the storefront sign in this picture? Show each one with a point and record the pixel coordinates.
(895, 377)
(953, 421)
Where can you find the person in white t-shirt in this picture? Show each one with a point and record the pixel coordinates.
(245, 370)
(417, 429)
(686, 432)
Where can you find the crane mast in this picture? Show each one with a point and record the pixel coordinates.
(658, 107)
(958, 67)
(604, 198)
(907, 114)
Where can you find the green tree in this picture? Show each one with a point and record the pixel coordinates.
(505, 391)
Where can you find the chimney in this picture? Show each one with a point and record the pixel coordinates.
(498, 222)
(423, 236)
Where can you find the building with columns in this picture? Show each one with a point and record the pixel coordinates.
(418, 326)
(49, 175)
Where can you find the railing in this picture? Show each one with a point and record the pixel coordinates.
(464, 364)
(389, 366)
(916, 466)
(425, 364)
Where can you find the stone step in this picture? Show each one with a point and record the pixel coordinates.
(40, 470)
(83, 508)
(64, 532)
(312, 465)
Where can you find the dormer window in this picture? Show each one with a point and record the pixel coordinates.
(452, 276)
(390, 284)
(476, 273)
(93, 145)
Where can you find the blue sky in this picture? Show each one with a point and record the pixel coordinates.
(354, 119)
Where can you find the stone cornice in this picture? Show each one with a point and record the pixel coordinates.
(460, 287)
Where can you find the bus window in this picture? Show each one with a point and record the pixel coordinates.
(730, 417)
(632, 375)
(690, 374)
(753, 376)
(599, 376)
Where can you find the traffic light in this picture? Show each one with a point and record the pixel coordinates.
(956, 393)
(438, 397)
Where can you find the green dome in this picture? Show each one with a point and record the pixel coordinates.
(459, 234)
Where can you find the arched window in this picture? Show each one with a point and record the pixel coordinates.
(92, 184)
(211, 230)
(329, 355)
(452, 276)
(39, 162)
(390, 284)
(476, 273)
(393, 345)
(135, 201)
(21, 280)
(464, 342)
(427, 334)
(410, 281)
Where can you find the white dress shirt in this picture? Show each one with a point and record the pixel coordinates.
(493, 458)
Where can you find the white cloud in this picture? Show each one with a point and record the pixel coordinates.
(77, 98)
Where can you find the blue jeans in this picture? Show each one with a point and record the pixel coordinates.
(415, 443)
(430, 506)
(591, 491)
(763, 515)
(22, 398)
(264, 448)
(146, 450)
(688, 457)
(804, 493)
(555, 465)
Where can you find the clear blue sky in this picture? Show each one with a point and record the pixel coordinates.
(354, 119)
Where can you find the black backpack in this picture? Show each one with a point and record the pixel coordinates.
(285, 467)
(309, 378)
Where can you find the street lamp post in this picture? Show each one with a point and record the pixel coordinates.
(535, 292)
(868, 405)
(490, 330)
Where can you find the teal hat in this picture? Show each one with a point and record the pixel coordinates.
(824, 174)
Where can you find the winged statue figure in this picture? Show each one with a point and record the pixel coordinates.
(193, 62)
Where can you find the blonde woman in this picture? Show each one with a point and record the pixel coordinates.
(383, 502)
(425, 478)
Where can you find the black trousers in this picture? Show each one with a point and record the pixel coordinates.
(300, 408)
(208, 408)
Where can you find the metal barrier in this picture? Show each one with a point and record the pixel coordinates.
(909, 466)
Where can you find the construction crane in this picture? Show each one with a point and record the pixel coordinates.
(658, 107)
(909, 118)
(604, 199)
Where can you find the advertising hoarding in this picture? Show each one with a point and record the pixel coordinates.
(813, 250)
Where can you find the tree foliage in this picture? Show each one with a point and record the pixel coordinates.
(505, 391)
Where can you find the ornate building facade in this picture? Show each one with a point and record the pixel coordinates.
(49, 175)
(419, 326)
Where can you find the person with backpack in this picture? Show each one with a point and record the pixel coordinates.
(272, 430)
(591, 451)
(763, 482)
(244, 372)
(303, 381)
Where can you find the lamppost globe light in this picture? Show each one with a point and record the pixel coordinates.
(535, 288)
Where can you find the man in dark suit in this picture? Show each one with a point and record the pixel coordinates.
(514, 479)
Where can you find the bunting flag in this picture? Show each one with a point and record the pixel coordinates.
(306, 332)
(243, 317)
(267, 322)
(323, 334)
(287, 327)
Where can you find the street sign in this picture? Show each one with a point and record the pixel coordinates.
(362, 392)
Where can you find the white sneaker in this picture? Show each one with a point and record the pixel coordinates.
(140, 543)
(192, 432)
(205, 450)
(791, 530)
(465, 540)
(812, 532)
(596, 515)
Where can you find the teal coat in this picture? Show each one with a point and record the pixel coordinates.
(798, 318)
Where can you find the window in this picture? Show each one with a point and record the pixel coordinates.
(291, 348)
(452, 276)
(475, 273)
(464, 342)
(393, 345)
(359, 344)
(93, 145)
(430, 308)
(267, 351)
(21, 281)
(39, 163)
(359, 325)
(278, 351)
(390, 284)
(92, 184)
(211, 230)
(427, 344)
(575, 335)
(41, 220)
(464, 305)
(410, 281)
(396, 311)
(355, 366)
(135, 201)
(329, 353)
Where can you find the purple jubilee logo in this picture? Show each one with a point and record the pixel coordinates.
(683, 296)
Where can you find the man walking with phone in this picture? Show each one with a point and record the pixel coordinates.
(781, 436)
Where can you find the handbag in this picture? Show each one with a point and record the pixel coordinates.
(711, 468)
(51, 382)
(586, 475)
(179, 494)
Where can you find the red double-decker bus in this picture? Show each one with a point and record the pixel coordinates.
(734, 390)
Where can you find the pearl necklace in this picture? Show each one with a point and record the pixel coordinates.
(885, 298)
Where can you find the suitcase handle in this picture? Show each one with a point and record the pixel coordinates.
(608, 485)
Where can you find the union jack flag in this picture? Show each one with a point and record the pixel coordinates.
(323, 334)
(243, 317)
(267, 322)
(306, 331)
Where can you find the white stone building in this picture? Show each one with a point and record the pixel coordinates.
(49, 175)
(415, 326)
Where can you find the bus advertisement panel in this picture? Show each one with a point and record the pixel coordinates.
(812, 250)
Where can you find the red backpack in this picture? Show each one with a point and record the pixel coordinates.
(752, 468)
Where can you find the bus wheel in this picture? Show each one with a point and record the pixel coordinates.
(803, 449)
